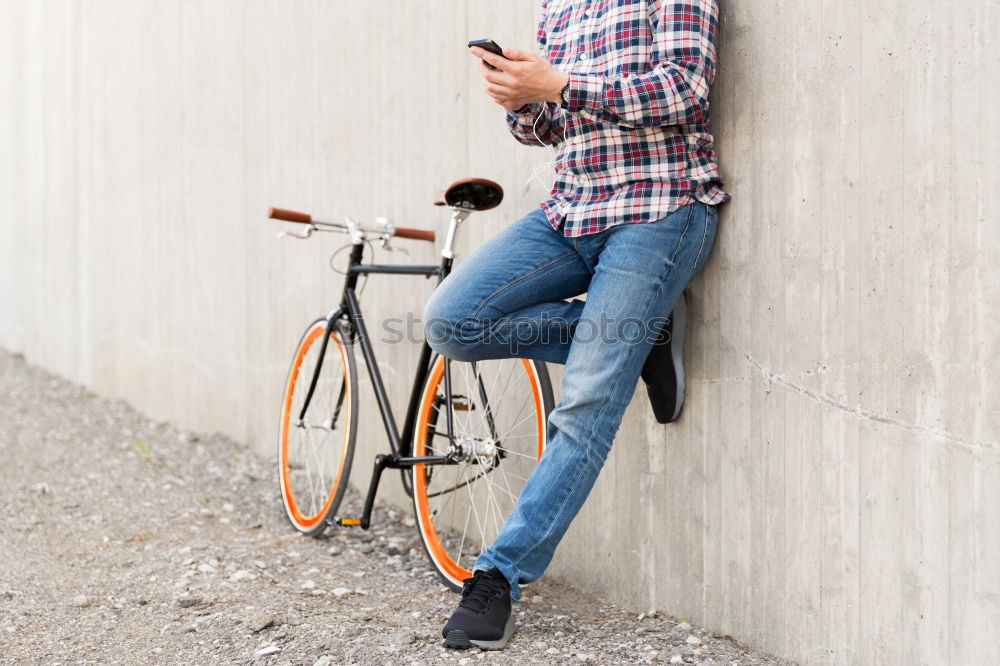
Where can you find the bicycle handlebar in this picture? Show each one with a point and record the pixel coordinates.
(305, 218)
(289, 215)
(415, 234)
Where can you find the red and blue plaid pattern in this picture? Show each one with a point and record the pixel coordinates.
(634, 143)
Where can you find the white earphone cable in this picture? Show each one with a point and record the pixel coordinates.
(542, 168)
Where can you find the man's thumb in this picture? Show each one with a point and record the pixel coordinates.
(516, 54)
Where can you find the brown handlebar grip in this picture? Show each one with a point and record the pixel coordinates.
(415, 234)
(289, 215)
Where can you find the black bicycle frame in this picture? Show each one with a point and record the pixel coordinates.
(349, 315)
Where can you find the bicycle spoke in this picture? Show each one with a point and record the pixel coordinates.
(472, 504)
(494, 503)
(465, 530)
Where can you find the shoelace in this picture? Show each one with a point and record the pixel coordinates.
(480, 590)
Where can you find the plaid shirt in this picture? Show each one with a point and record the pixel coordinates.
(633, 143)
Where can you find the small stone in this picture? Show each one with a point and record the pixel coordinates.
(677, 659)
(206, 568)
(308, 585)
(140, 602)
(692, 640)
(684, 626)
(242, 574)
(228, 507)
(392, 550)
(187, 437)
(187, 601)
(585, 657)
(82, 601)
(552, 650)
(536, 598)
(264, 651)
(464, 661)
(325, 660)
(41, 488)
(333, 551)
(402, 637)
(541, 646)
(259, 623)
(340, 592)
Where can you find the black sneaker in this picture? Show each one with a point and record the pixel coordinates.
(663, 371)
(483, 615)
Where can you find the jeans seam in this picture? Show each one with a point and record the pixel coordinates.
(680, 241)
(566, 493)
(701, 251)
(621, 372)
(524, 276)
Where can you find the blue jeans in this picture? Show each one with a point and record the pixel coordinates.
(507, 300)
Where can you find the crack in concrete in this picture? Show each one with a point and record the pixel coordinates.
(974, 445)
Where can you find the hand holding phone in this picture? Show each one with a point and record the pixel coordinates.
(487, 45)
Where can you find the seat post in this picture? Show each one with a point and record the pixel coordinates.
(458, 215)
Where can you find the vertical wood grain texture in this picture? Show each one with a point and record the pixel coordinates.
(831, 491)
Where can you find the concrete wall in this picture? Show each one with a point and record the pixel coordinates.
(832, 491)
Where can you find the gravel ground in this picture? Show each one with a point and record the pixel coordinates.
(127, 541)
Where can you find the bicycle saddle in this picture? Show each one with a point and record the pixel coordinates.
(471, 194)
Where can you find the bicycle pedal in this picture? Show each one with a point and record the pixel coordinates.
(348, 522)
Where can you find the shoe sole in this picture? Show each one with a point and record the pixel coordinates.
(459, 640)
(677, 350)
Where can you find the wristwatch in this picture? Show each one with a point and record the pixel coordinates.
(563, 95)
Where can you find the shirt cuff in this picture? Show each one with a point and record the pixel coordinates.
(527, 114)
(586, 91)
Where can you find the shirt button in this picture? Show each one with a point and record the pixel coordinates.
(583, 56)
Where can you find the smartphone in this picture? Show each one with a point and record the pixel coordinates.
(487, 45)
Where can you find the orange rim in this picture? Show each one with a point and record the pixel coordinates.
(434, 545)
(296, 514)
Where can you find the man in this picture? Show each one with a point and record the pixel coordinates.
(621, 91)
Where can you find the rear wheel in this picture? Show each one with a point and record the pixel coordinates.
(316, 448)
(500, 414)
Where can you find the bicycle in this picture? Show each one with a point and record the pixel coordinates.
(473, 432)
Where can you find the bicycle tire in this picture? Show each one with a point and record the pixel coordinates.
(438, 533)
(338, 377)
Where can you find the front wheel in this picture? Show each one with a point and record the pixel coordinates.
(316, 444)
(499, 413)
